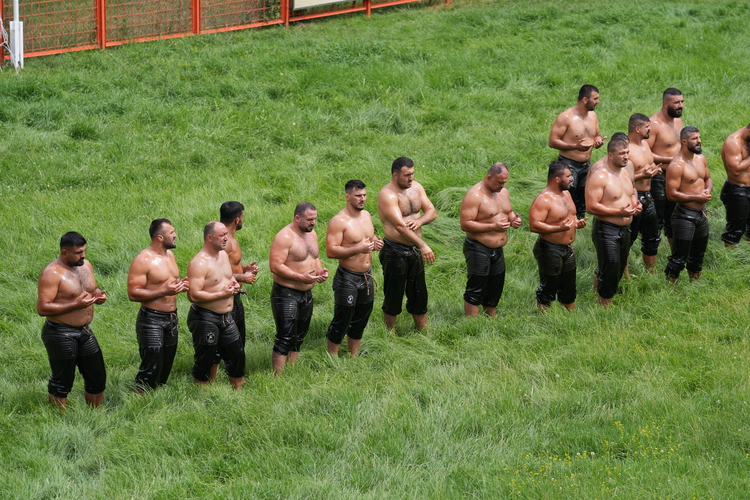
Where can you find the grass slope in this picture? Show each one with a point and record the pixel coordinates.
(648, 399)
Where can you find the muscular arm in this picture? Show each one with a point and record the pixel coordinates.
(388, 207)
(731, 154)
(278, 257)
(595, 195)
(598, 139)
(469, 212)
(708, 182)
(138, 279)
(556, 134)
(49, 283)
(197, 272)
(429, 213)
(674, 180)
(538, 214)
(335, 237)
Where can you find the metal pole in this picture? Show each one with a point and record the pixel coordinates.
(16, 38)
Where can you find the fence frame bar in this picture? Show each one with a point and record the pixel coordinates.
(286, 16)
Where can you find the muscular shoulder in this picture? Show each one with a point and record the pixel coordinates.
(52, 273)
(656, 119)
(197, 263)
(565, 117)
(141, 262)
(387, 195)
(283, 238)
(415, 186)
(543, 200)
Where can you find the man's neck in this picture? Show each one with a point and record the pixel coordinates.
(158, 249)
(581, 110)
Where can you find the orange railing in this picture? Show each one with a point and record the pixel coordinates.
(56, 26)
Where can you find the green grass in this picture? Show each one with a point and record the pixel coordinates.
(648, 399)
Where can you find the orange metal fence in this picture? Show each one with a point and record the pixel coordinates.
(56, 26)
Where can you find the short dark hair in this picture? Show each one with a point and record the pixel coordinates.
(400, 162)
(556, 169)
(670, 92)
(303, 207)
(637, 120)
(687, 131)
(619, 140)
(497, 168)
(209, 229)
(72, 239)
(354, 184)
(155, 227)
(230, 210)
(586, 91)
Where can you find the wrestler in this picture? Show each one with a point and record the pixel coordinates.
(212, 290)
(486, 215)
(232, 215)
(67, 293)
(645, 223)
(351, 239)
(574, 133)
(399, 205)
(553, 217)
(689, 185)
(612, 200)
(664, 142)
(154, 281)
(735, 153)
(296, 267)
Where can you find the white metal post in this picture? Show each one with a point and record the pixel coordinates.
(16, 38)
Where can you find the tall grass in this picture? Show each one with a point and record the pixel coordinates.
(648, 399)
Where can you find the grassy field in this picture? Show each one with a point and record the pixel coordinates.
(648, 399)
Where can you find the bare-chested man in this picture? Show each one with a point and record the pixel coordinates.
(296, 267)
(399, 205)
(735, 153)
(689, 185)
(645, 223)
(232, 215)
(154, 281)
(351, 239)
(66, 296)
(664, 142)
(574, 134)
(212, 290)
(486, 215)
(612, 199)
(553, 217)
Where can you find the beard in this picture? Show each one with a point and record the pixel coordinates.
(674, 112)
(697, 149)
(78, 263)
(170, 245)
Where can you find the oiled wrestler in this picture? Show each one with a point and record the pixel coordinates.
(351, 238)
(486, 215)
(553, 217)
(67, 294)
(295, 263)
(612, 199)
(689, 185)
(403, 208)
(212, 290)
(154, 281)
